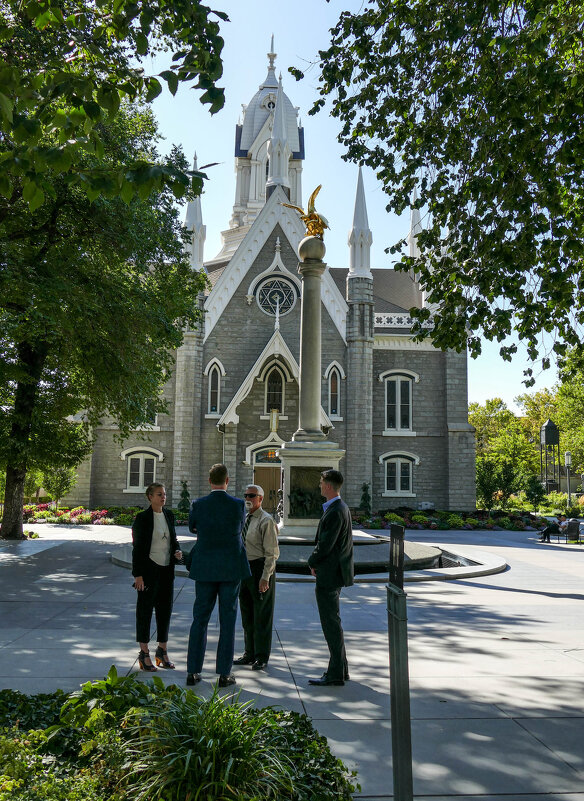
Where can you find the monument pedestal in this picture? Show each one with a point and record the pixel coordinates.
(302, 463)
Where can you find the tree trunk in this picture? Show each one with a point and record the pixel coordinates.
(14, 497)
(31, 360)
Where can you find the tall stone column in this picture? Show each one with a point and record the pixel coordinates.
(311, 267)
(310, 452)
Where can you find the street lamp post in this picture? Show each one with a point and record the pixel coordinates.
(568, 463)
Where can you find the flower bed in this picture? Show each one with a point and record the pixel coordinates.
(80, 516)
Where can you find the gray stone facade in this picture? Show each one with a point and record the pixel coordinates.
(401, 414)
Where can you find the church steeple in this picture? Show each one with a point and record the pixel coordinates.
(269, 151)
(198, 231)
(415, 228)
(278, 148)
(360, 238)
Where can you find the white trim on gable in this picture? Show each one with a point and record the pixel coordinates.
(276, 351)
(234, 273)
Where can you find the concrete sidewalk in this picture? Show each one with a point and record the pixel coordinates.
(496, 662)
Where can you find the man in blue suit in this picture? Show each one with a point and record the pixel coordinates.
(217, 563)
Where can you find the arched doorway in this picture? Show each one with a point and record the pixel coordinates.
(267, 472)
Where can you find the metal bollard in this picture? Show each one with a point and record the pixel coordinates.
(399, 681)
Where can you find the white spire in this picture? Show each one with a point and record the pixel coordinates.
(415, 229)
(360, 237)
(198, 231)
(278, 148)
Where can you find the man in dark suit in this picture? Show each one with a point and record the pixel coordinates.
(331, 563)
(217, 563)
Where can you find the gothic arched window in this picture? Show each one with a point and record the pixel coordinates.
(214, 390)
(274, 391)
(334, 393)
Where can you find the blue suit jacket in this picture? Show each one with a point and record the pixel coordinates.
(219, 553)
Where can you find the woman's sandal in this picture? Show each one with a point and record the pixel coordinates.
(162, 659)
(142, 657)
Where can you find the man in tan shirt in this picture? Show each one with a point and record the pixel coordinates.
(258, 593)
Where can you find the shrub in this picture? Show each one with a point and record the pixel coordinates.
(418, 518)
(172, 741)
(124, 520)
(472, 521)
(454, 521)
(391, 517)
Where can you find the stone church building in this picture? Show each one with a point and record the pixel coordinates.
(397, 407)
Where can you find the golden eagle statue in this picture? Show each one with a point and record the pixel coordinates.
(315, 223)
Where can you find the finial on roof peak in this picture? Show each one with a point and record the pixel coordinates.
(271, 55)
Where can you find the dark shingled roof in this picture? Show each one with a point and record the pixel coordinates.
(392, 291)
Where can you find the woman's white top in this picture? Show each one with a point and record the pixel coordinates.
(159, 550)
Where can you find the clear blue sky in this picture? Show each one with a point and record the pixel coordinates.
(300, 30)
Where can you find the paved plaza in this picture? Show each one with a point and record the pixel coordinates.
(496, 661)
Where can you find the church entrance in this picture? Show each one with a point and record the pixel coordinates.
(269, 479)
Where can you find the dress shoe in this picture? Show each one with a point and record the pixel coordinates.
(259, 665)
(225, 681)
(193, 678)
(244, 660)
(326, 682)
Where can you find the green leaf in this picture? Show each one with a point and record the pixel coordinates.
(5, 186)
(141, 43)
(153, 90)
(6, 106)
(33, 195)
(171, 79)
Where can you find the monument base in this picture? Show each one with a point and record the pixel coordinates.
(302, 463)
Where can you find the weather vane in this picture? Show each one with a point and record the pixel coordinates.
(315, 223)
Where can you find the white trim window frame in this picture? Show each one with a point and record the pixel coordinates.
(398, 474)
(141, 471)
(398, 409)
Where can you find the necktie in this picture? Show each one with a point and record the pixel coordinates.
(245, 528)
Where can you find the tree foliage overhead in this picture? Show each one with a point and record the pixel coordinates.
(480, 108)
(91, 57)
(94, 297)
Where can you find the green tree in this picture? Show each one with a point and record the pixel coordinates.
(480, 108)
(94, 297)
(59, 481)
(534, 491)
(365, 504)
(66, 67)
(486, 482)
(502, 436)
(184, 503)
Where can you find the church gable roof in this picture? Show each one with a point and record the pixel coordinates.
(276, 349)
(230, 276)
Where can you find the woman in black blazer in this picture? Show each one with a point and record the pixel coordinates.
(154, 553)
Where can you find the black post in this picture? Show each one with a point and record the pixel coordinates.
(399, 681)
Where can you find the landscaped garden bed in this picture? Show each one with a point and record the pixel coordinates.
(123, 738)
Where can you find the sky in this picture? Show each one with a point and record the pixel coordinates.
(300, 30)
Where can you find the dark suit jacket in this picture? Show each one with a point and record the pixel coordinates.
(219, 553)
(142, 529)
(332, 558)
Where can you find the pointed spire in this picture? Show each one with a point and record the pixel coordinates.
(278, 148)
(271, 79)
(194, 225)
(360, 237)
(415, 228)
(271, 55)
